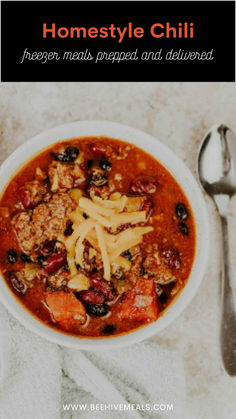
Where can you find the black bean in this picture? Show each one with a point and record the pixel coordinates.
(16, 283)
(68, 155)
(85, 215)
(57, 156)
(25, 258)
(108, 329)
(163, 298)
(142, 271)
(97, 310)
(183, 228)
(127, 255)
(89, 164)
(12, 256)
(69, 230)
(40, 260)
(158, 289)
(98, 179)
(181, 211)
(105, 164)
(45, 181)
(72, 152)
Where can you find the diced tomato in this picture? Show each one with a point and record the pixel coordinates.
(66, 309)
(140, 303)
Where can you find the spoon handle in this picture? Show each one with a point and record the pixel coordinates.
(228, 321)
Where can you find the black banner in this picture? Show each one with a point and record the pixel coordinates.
(118, 41)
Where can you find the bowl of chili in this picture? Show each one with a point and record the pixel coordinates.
(105, 235)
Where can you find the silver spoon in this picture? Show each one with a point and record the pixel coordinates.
(217, 174)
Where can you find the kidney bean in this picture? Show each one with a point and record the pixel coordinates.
(12, 256)
(91, 297)
(172, 256)
(98, 149)
(48, 247)
(55, 262)
(97, 310)
(26, 199)
(19, 286)
(181, 211)
(144, 185)
(104, 287)
(147, 206)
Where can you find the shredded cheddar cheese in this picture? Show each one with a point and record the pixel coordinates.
(76, 216)
(105, 258)
(121, 262)
(79, 248)
(125, 246)
(113, 204)
(104, 216)
(87, 204)
(82, 228)
(129, 217)
(129, 234)
(102, 220)
(71, 264)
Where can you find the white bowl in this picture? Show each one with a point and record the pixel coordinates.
(183, 176)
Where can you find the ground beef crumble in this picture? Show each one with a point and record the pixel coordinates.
(45, 222)
(65, 175)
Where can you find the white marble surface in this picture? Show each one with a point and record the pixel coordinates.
(177, 114)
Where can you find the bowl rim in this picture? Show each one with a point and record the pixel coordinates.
(151, 145)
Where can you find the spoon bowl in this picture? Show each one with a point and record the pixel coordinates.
(217, 174)
(217, 161)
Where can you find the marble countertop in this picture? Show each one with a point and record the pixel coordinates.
(177, 114)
